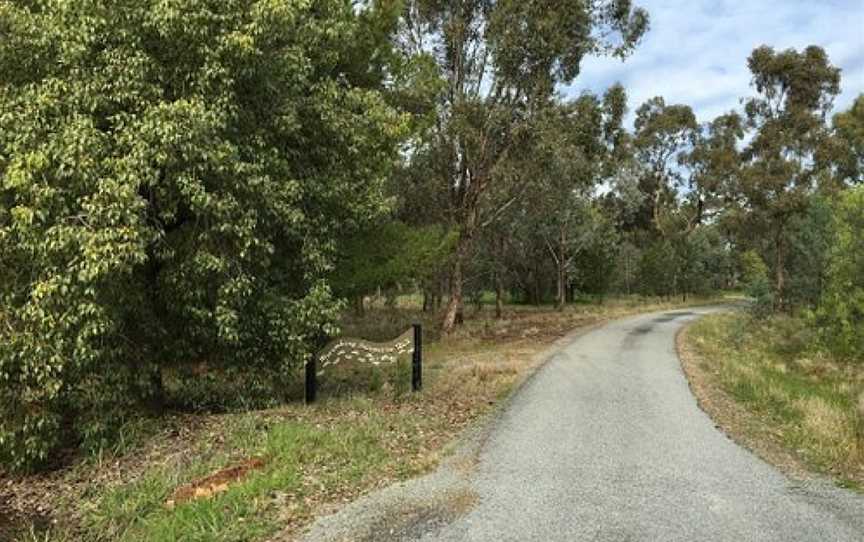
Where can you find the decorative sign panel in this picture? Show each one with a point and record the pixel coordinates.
(362, 351)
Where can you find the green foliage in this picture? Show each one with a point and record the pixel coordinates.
(693, 263)
(173, 176)
(845, 150)
(840, 315)
(757, 285)
(810, 237)
(389, 254)
(656, 269)
(702, 261)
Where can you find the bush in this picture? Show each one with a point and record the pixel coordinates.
(657, 270)
(840, 315)
(757, 285)
(173, 177)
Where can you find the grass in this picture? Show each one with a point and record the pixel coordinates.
(800, 397)
(367, 431)
(340, 454)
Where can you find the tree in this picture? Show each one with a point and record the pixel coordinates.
(847, 150)
(500, 60)
(795, 91)
(657, 269)
(754, 276)
(575, 145)
(173, 176)
(714, 163)
(664, 134)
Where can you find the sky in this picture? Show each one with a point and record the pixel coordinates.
(696, 50)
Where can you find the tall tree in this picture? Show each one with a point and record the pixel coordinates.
(714, 165)
(574, 153)
(664, 134)
(500, 60)
(795, 93)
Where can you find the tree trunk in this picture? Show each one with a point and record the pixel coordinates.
(536, 287)
(779, 263)
(453, 312)
(157, 386)
(359, 307)
(427, 302)
(561, 290)
(499, 297)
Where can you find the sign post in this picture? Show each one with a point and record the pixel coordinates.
(311, 379)
(417, 359)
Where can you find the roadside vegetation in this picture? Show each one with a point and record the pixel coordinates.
(367, 430)
(799, 399)
(800, 370)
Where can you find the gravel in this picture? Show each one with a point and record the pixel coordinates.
(604, 443)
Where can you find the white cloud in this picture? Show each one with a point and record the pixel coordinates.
(696, 50)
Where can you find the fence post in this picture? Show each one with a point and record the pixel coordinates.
(417, 359)
(311, 379)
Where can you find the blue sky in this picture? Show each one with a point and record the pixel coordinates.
(696, 50)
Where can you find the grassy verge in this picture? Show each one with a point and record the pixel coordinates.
(766, 385)
(366, 432)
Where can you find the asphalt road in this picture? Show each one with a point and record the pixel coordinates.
(607, 443)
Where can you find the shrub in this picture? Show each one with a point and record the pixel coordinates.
(173, 177)
(840, 315)
(757, 285)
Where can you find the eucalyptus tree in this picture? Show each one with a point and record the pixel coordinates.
(664, 134)
(707, 170)
(714, 165)
(847, 148)
(787, 118)
(575, 151)
(173, 178)
(500, 60)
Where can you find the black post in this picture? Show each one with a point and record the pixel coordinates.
(417, 359)
(311, 379)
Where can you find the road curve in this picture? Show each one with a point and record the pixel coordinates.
(606, 443)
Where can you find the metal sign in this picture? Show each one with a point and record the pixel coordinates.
(361, 351)
(367, 352)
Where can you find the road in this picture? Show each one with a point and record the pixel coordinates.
(607, 443)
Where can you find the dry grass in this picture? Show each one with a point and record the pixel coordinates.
(767, 386)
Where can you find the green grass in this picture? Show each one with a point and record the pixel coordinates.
(339, 454)
(806, 398)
